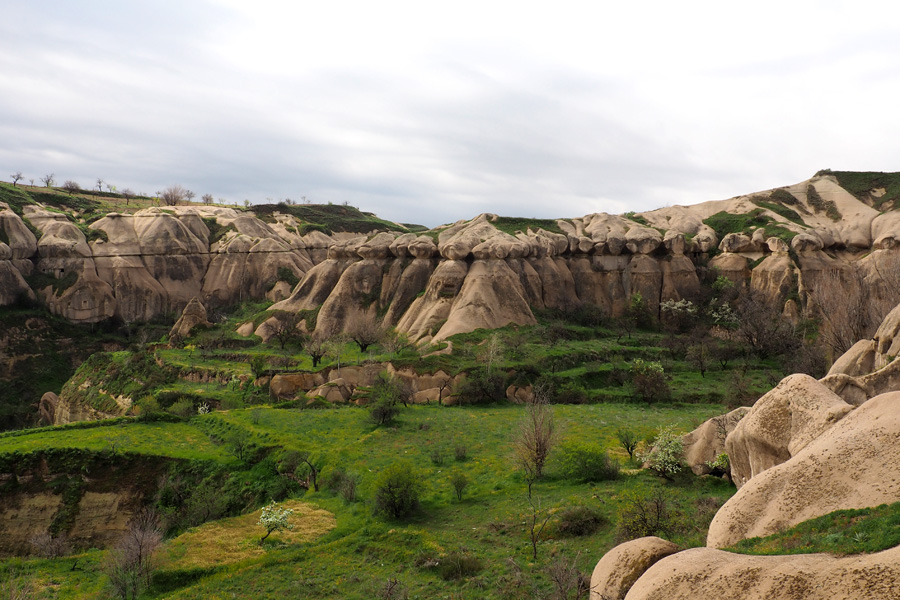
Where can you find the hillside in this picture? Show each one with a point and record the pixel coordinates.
(720, 375)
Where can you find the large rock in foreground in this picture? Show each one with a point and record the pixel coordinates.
(851, 465)
(623, 565)
(708, 574)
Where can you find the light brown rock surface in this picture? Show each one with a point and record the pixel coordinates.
(708, 574)
(781, 423)
(706, 442)
(852, 464)
(621, 567)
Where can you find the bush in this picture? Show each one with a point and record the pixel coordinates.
(458, 565)
(665, 455)
(645, 513)
(460, 452)
(588, 463)
(578, 521)
(649, 380)
(460, 482)
(343, 483)
(397, 491)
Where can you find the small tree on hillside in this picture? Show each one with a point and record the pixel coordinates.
(397, 491)
(275, 518)
(47, 180)
(16, 177)
(284, 327)
(207, 198)
(316, 347)
(71, 187)
(535, 437)
(385, 396)
(128, 194)
(131, 564)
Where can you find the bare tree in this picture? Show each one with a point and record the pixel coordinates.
(189, 195)
(284, 327)
(47, 180)
(99, 184)
(207, 198)
(317, 348)
(128, 194)
(173, 194)
(130, 565)
(363, 330)
(568, 580)
(535, 438)
(16, 177)
(71, 186)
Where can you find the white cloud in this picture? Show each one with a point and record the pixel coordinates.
(431, 113)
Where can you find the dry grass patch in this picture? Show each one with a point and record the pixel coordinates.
(232, 540)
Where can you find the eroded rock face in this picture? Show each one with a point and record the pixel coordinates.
(701, 573)
(706, 442)
(194, 314)
(781, 423)
(851, 464)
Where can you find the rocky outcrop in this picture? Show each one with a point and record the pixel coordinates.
(706, 573)
(780, 424)
(851, 464)
(194, 314)
(706, 442)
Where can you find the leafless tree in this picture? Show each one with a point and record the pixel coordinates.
(71, 186)
(31, 182)
(317, 348)
(128, 194)
(99, 184)
(284, 327)
(207, 198)
(567, 579)
(130, 565)
(48, 546)
(47, 180)
(535, 437)
(16, 177)
(173, 194)
(189, 195)
(364, 330)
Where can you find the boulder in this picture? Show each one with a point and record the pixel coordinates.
(706, 573)
(707, 441)
(622, 566)
(286, 385)
(858, 360)
(642, 240)
(780, 424)
(852, 464)
(194, 314)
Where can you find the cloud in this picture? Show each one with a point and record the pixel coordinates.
(430, 114)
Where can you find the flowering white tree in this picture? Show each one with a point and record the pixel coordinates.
(275, 518)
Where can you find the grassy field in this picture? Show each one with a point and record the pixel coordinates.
(363, 551)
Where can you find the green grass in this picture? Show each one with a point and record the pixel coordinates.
(363, 551)
(862, 183)
(329, 217)
(511, 225)
(724, 223)
(175, 440)
(778, 209)
(840, 532)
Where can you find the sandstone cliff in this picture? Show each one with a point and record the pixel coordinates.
(789, 244)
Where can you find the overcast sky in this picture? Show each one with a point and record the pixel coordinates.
(430, 112)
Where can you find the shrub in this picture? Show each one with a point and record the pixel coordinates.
(460, 452)
(578, 521)
(397, 491)
(649, 380)
(343, 483)
(437, 457)
(458, 565)
(664, 456)
(183, 408)
(628, 440)
(644, 513)
(588, 463)
(460, 482)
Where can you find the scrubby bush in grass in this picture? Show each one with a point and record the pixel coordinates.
(460, 482)
(645, 512)
(480, 387)
(460, 452)
(275, 518)
(258, 365)
(649, 380)
(587, 463)
(578, 521)
(458, 565)
(665, 456)
(343, 483)
(397, 491)
(182, 408)
(385, 396)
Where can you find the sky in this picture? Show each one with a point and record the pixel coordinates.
(426, 112)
